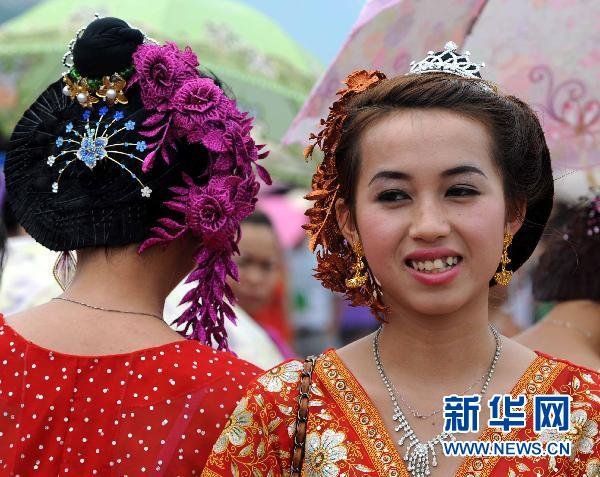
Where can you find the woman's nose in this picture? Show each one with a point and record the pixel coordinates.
(429, 221)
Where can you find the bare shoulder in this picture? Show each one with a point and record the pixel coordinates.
(353, 354)
(29, 319)
(517, 351)
(515, 358)
(72, 331)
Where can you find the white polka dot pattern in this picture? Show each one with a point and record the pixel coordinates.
(156, 411)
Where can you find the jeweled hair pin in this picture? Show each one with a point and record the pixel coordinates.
(450, 61)
(92, 144)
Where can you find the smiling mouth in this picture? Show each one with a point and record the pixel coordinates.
(438, 265)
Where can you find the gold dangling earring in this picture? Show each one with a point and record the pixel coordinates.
(360, 277)
(504, 276)
(64, 269)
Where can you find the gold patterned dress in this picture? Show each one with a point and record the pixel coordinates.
(346, 436)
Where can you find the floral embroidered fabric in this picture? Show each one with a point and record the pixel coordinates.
(156, 411)
(345, 435)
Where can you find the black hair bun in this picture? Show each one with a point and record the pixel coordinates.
(105, 47)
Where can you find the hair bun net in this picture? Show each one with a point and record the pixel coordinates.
(105, 47)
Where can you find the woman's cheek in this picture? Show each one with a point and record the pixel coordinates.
(381, 233)
(481, 230)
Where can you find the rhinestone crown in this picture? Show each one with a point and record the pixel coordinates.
(448, 61)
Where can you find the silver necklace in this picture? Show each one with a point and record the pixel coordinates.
(106, 309)
(417, 452)
(416, 413)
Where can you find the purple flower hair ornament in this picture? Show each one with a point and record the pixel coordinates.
(193, 108)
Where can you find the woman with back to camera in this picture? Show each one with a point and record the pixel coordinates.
(434, 187)
(140, 163)
(568, 275)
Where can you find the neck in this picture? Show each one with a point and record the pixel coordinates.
(121, 280)
(420, 348)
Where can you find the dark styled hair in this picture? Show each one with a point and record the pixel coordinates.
(198, 171)
(100, 207)
(519, 148)
(568, 267)
(9, 220)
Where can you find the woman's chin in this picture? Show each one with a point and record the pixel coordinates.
(439, 304)
(435, 299)
(437, 309)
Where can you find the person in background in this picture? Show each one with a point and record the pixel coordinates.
(137, 160)
(568, 278)
(434, 186)
(246, 338)
(261, 290)
(3, 239)
(27, 265)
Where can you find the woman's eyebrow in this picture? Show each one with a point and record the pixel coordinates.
(390, 175)
(465, 169)
(397, 175)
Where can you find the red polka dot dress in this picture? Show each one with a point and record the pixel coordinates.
(154, 412)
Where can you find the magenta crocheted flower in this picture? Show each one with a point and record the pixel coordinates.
(209, 216)
(196, 102)
(218, 135)
(189, 107)
(160, 71)
(215, 210)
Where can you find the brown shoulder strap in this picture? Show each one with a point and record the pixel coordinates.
(302, 416)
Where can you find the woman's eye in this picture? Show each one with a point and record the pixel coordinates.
(459, 191)
(392, 196)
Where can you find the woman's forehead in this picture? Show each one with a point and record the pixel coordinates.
(416, 141)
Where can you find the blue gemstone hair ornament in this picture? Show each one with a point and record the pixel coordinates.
(94, 142)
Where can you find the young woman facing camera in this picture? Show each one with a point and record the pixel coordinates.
(434, 187)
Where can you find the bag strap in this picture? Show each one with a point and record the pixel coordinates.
(302, 416)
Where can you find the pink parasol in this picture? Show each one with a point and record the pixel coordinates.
(287, 215)
(544, 51)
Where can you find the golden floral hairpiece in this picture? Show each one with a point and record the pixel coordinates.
(335, 256)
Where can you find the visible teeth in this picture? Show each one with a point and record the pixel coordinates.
(437, 265)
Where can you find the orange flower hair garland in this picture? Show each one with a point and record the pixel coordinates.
(334, 255)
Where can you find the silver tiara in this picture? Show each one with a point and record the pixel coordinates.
(448, 61)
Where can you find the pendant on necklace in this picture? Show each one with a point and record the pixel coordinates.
(417, 454)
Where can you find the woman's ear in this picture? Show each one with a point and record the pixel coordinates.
(345, 221)
(517, 217)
